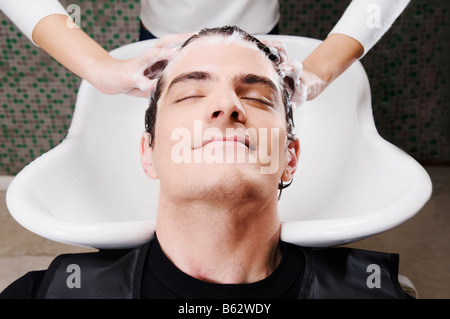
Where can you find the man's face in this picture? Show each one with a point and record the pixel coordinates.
(221, 129)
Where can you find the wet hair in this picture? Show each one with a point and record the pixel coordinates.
(151, 112)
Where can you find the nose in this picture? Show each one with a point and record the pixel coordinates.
(226, 107)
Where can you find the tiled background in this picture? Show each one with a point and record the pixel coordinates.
(409, 71)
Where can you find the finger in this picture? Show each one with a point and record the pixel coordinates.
(153, 71)
(144, 88)
(293, 76)
(153, 55)
(314, 85)
(292, 72)
(279, 47)
(313, 92)
(153, 61)
(138, 93)
(143, 83)
(292, 69)
(301, 96)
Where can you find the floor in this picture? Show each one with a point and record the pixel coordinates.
(422, 242)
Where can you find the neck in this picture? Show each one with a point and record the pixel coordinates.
(224, 243)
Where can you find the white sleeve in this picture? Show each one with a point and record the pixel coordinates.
(26, 14)
(367, 20)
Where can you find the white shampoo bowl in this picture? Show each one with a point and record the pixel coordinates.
(350, 184)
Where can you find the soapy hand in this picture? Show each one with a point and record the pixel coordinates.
(137, 76)
(128, 76)
(304, 84)
(311, 84)
(291, 71)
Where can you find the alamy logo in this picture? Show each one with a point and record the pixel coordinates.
(74, 279)
(374, 279)
(374, 19)
(200, 147)
(74, 18)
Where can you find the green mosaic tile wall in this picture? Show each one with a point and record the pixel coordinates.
(408, 69)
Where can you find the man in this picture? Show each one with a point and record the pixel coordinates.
(219, 221)
(219, 137)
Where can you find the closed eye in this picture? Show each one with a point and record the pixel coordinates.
(258, 100)
(189, 97)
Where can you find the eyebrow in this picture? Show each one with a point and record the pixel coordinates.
(244, 78)
(195, 76)
(249, 79)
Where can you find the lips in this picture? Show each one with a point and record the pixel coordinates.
(234, 138)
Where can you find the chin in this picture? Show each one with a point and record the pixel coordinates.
(236, 182)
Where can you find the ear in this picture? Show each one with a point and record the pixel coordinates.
(292, 152)
(146, 152)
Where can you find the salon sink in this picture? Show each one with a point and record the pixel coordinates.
(91, 191)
